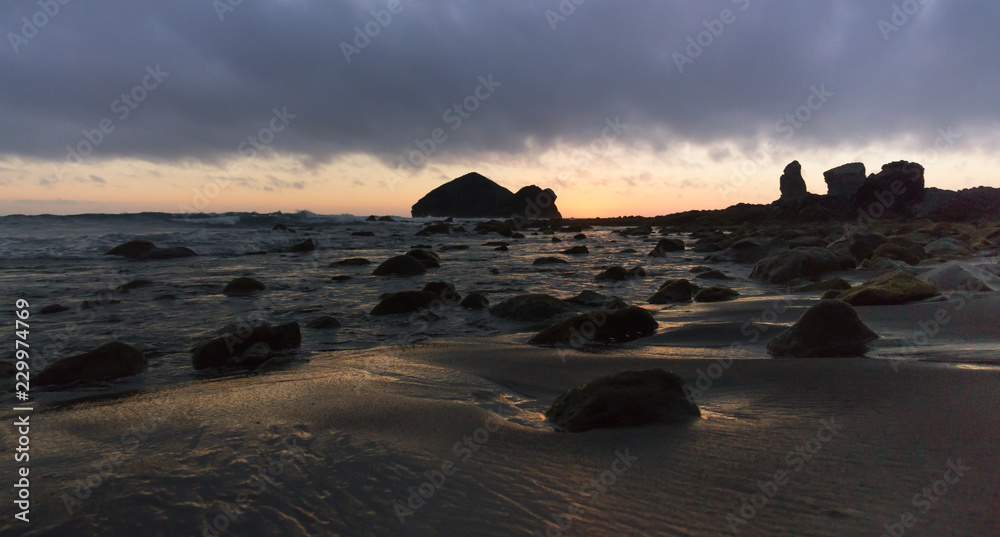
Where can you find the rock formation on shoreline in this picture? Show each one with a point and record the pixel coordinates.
(475, 196)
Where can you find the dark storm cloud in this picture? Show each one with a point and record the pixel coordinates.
(171, 81)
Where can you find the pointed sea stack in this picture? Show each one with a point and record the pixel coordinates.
(474, 196)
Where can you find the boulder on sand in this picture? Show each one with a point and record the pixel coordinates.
(787, 265)
(602, 326)
(533, 307)
(216, 352)
(890, 289)
(626, 399)
(401, 265)
(109, 361)
(715, 294)
(961, 276)
(679, 290)
(830, 328)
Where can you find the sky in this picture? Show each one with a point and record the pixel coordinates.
(622, 108)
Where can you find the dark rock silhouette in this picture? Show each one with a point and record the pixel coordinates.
(896, 191)
(830, 328)
(232, 348)
(109, 361)
(475, 196)
(792, 184)
(843, 181)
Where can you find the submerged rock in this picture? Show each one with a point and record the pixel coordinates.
(549, 261)
(619, 274)
(533, 307)
(475, 301)
(679, 290)
(325, 322)
(401, 265)
(603, 326)
(351, 262)
(576, 250)
(217, 352)
(134, 249)
(109, 361)
(830, 328)
(626, 399)
(444, 290)
(305, 246)
(667, 245)
(712, 275)
(890, 289)
(134, 284)
(54, 308)
(242, 286)
(405, 302)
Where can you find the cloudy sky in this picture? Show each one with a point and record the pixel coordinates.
(629, 107)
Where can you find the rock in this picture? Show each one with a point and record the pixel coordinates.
(405, 302)
(475, 196)
(890, 289)
(340, 278)
(325, 322)
(496, 243)
(897, 252)
(371, 219)
(579, 236)
(109, 361)
(305, 246)
(281, 227)
(517, 235)
(845, 180)
(667, 245)
(749, 250)
(556, 239)
(444, 290)
(216, 352)
(351, 262)
(699, 269)
(629, 251)
(549, 261)
(786, 265)
(831, 294)
(168, 253)
(427, 259)
(712, 275)
(807, 242)
(134, 284)
(883, 265)
(791, 183)
(961, 276)
(385, 219)
(439, 228)
(501, 249)
(576, 250)
(640, 231)
(671, 291)
(475, 301)
(835, 284)
(946, 248)
(830, 328)
(533, 307)
(589, 298)
(447, 247)
(896, 191)
(242, 286)
(615, 304)
(401, 265)
(715, 294)
(363, 234)
(619, 274)
(863, 245)
(134, 249)
(603, 326)
(54, 308)
(626, 399)
(494, 270)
